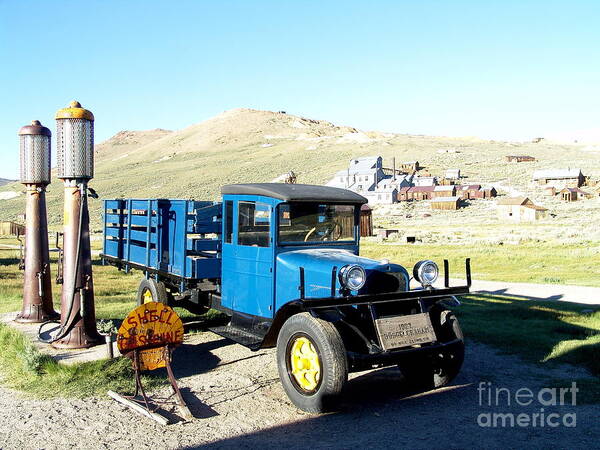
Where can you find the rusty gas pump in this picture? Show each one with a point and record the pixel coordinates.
(75, 160)
(34, 143)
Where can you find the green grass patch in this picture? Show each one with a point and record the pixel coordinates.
(545, 333)
(25, 368)
(525, 263)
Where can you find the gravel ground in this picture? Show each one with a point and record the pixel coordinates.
(238, 401)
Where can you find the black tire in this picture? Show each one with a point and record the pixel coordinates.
(151, 289)
(438, 370)
(331, 356)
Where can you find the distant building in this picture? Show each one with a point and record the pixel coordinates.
(425, 181)
(475, 191)
(410, 166)
(362, 174)
(415, 193)
(12, 229)
(519, 158)
(520, 209)
(445, 203)
(399, 182)
(452, 174)
(574, 194)
(382, 195)
(444, 191)
(559, 178)
(468, 191)
(488, 192)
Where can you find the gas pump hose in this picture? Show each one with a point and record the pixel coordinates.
(68, 326)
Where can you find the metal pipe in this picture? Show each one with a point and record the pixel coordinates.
(446, 273)
(301, 287)
(333, 280)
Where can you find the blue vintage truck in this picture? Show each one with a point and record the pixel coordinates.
(282, 262)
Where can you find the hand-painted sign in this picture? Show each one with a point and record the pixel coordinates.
(153, 358)
(148, 326)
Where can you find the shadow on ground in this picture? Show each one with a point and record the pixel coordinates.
(540, 329)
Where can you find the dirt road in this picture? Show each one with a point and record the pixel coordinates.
(238, 402)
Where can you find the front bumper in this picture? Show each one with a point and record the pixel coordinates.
(363, 344)
(361, 361)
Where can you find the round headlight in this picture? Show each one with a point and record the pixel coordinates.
(352, 277)
(426, 272)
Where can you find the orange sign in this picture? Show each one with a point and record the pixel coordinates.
(148, 326)
(152, 358)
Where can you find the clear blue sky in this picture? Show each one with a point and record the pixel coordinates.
(504, 69)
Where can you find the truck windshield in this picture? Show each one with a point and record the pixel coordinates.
(313, 222)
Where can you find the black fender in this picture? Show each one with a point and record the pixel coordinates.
(332, 315)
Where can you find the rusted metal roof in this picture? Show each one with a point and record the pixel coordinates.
(470, 187)
(422, 189)
(536, 207)
(554, 174)
(445, 199)
(513, 201)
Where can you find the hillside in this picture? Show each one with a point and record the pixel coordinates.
(4, 181)
(246, 145)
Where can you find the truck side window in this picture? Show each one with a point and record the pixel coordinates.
(228, 221)
(254, 223)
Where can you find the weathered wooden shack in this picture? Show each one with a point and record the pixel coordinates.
(559, 178)
(486, 192)
(407, 194)
(11, 229)
(520, 209)
(444, 191)
(452, 174)
(519, 158)
(410, 166)
(574, 194)
(469, 191)
(446, 203)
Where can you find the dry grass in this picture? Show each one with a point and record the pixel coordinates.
(257, 146)
(529, 262)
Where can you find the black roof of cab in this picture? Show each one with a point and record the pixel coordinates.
(296, 192)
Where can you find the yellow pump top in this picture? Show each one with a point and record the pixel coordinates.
(74, 111)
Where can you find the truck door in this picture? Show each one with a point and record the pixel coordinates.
(247, 263)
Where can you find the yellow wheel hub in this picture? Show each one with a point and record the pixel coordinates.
(305, 364)
(147, 296)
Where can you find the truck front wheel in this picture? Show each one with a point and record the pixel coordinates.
(312, 363)
(151, 290)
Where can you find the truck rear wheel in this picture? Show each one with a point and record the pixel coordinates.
(151, 290)
(312, 364)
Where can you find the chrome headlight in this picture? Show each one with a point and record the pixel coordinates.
(352, 277)
(426, 272)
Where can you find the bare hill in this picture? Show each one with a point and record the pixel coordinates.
(245, 145)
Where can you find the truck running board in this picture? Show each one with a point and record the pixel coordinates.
(239, 335)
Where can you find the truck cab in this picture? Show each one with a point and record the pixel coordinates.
(282, 262)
